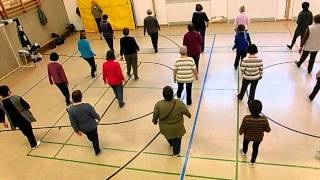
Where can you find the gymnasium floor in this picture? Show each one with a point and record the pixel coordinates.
(284, 154)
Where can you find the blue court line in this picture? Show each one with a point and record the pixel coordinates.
(184, 167)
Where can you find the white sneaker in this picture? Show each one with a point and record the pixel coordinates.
(38, 143)
(175, 156)
(242, 153)
(253, 165)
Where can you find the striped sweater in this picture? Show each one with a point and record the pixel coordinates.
(252, 68)
(254, 128)
(184, 67)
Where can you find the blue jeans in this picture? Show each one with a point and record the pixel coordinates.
(118, 91)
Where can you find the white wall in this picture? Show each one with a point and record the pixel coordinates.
(314, 7)
(140, 10)
(74, 19)
(182, 12)
(281, 9)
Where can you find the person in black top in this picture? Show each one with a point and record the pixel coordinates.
(18, 114)
(107, 31)
(129, 48)
(200, 21)
(305, 18)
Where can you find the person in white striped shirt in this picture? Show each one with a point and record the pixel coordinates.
(252, 70)
(184, 72)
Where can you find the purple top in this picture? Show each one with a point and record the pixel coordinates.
(192, 40)
(56, 73)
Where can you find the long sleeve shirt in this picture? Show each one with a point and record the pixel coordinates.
(199, 20)
(128, 45)
(243, 19)
(106, 29)
(56, 73)
(85, 49)
(151, 25)
(83, 117)
(252, 68)
(112, 73)
(254, 128)
(192, 40)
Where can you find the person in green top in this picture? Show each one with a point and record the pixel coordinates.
(169, 114)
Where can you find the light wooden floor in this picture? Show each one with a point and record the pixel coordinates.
(284, 154)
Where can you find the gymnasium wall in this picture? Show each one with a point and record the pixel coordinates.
(169, 11)
(71, 6)
(57, 21)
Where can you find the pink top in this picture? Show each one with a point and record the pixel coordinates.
(56, 73)
(242, 18)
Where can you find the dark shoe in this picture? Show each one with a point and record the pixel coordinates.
(128, 74)
(235, 68)
(136, 78)
(310, 98)
(296, 62)
(288, 46)
(98, 152)
(122, 104)
(156, 51)
(238, 96)
(189, 103)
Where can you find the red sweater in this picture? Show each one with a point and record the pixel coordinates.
(192, 40)
(56, 73)
(112, 73)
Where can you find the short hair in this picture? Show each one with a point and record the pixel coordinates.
(105, 17)
(83, 34)
(110, 55)
(54, 56)
(125, 31)
(242, 8)
(199, 7)
(76, 96)
(190, 27)
(255, 108)
(241, 27)
(183, 50)
(252, 49)
(317, 19)
(149, 12)
(4, 91)
(167, 93)
(305, 5)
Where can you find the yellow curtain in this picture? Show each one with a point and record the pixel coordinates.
(119, 12)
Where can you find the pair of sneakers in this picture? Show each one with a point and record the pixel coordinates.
(253, 165)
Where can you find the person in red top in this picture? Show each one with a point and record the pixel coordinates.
(57, 76)
(112, 75)
(193, 41)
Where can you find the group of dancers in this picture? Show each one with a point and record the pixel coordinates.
(168, 113)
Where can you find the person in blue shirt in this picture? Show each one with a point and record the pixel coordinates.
(241, 42)
(86, 52)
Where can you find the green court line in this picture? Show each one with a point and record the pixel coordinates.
(128, 168)
(192, 157)
(237, 130)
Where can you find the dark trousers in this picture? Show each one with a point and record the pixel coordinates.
(240, 55)
(176, 144)
(132, 61)
(26, 129)
(295, 36)
(109, 42)
(304, 56)
(189, 90)
(196, 61)
(154, 40)
(98, 21)
(315, 90)
(92, 64)
(118, 91)
(255, 149)
(253, 86)
(65, 91)
(93, 137)
(203, 34)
